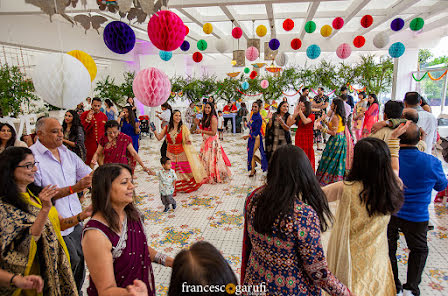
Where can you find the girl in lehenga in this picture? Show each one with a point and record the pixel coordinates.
(332, 164)
(212, 155)
(185, 161)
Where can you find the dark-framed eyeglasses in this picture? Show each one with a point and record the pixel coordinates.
(29, 166)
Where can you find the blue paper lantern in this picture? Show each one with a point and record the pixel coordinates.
(165, 55)
(245, 85)
(396, 50)
(119, 37)
(397, 24)
(274, 44)
(313, 51)
(185, 46)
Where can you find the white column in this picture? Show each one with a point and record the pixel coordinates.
(402, 79)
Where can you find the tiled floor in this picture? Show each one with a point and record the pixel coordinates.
(214, 213)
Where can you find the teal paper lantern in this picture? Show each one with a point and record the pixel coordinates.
(313, 51)
(396, 50)
(246, 70)
(202, 45)
(165, 55)
(245, 85)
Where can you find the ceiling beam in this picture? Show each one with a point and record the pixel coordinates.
(312, 8)
(270, 13)
(232, 19)
(195, 19)
(208, 3)
(433, 25)
(356, 7)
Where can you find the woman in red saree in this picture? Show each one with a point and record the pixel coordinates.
(371, 115)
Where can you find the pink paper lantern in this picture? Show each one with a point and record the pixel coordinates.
(264, 84)
(252, 53)
(151, 87)
(344, 51)
(166, 30)
(338, 23)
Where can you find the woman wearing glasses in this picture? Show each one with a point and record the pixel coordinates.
(31, 241)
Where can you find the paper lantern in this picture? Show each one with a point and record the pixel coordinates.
(197, 57)
(202, 45)
(338, 23)
(119, 37)
(61, 80)
(237, 32)
(281, 59)
(288, 24)
(344, 51)
(359, 41)
(396, 50)
(366, 21)
(233, 62)
(187, 30)
(86, 60)
(207, 28)
(185, 46)
(313, 51)
(166, 30)
(274, 44)
(221, 45)
(417, 24)
(380, 40)
(253, 74)
(151, 87)
(245, 85)
(264, 84)
(165, 55)
(326, 30)
(296, 43)
(252, 53)
(246, 70)
(310, 27)
(397, 24)
(261, 31)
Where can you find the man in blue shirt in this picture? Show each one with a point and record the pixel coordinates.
(420, 173)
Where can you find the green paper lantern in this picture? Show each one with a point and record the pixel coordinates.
(417, 24)
(202, 45)
(246, 70)
(310, 27)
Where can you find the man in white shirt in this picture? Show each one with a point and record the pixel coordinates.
(426, 120)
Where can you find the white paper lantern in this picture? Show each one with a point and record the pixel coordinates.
(281, 59)
(61, 80)
(380, 40)
(221, 45)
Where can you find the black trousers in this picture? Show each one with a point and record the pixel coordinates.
(226, 120)
(73, 242)
(415, 234)
(163, 149)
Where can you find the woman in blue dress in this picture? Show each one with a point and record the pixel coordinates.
(255, 142)
(130, 125)
(110, 111)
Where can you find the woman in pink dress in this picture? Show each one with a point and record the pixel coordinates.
(371, 115)
(212, 155)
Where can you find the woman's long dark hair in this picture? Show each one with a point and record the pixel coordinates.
(290, 177)
(340, 109)
(101, 186)
(131, 117)
(372, 166)
(375, 100)
(258, 104)
(278, 109)
(11, 141)
(76, 124)
(171, 123)
(207, 119)
(306, 113)
(109, 103)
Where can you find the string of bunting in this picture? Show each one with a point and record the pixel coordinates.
(329, 94)
(430, 76)
(300, 88)
(352, 89)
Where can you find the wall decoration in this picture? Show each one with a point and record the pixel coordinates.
(87, 20)
(380, 40)
(261, 31)
(344, 51)
(338, 23)
(259, 65)
(313, 51)
(245, 85)
(269, 54)
(397, 24)
(233, 62)
(202, 45)
(185, 46)
(165, 55)
(197, 57)
(396, 50)
(119, 37)
(326, 30)
(417, 24)
(274, 44)
(207, 28)
(281, 59)
(252, 53)
(240, 58)
(166, 30)
(86, 60)
(288, 24)
(366, 21)
(221, 45)
(237, 32)
(233, 74)
(296, 43)
(151, 87)
(264, 84)
(310, 27)
(359, 41)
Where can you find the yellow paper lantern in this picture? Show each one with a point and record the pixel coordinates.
(233, 62)
(86, 60)
(208, 28)
(261, 30)
(326, 30)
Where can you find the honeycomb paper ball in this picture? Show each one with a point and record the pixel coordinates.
(61, 80)
(380, 40)
(274, 44)
(246, 70)
(187, 30)
(221, 45)
(166, 30)
(396, 50)
(417, 24)
(233, 62)
(288, 24)
(253, 74)
(261, 31)
(310, 27)
(366, 21)
(151, 87)
(296, 43)
(359, 41)
(264, 84)
(237, 32)
(313, 51)
(338, 23)
(119, 37)
(202, 45)
(245, 85)
(207, 28)
(281, 59)
(185, 46)
(252, 53)
(197, 57)
(326, 30)
(344, 51)
(86, 60)
(165, 55)
(397, 24)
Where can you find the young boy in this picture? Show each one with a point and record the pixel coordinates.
(167, 179)
(220, 125)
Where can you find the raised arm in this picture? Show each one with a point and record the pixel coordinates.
(161, 135)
